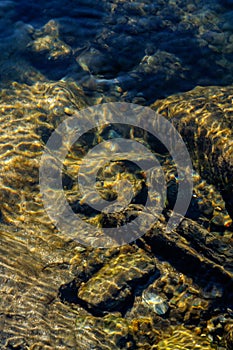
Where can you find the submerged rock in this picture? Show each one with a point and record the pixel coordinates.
(115, 332)
(111, 288)
(182, 338)
(229, 336)
(155, 302)
(47, 41)
(204, 118)
(111, 332)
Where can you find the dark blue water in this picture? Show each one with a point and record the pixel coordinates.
(136, 51)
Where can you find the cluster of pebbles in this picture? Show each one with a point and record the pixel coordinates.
(162, 291)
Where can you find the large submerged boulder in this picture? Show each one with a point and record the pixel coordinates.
(204, 118)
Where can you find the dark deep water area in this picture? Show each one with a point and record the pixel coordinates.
(137, 50)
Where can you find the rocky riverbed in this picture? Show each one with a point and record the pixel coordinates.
(162, 290)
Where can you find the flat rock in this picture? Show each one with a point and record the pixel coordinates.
(112, 286)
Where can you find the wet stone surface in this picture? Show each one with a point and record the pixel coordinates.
(112, 287)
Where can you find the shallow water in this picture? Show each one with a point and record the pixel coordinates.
(57, 57)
